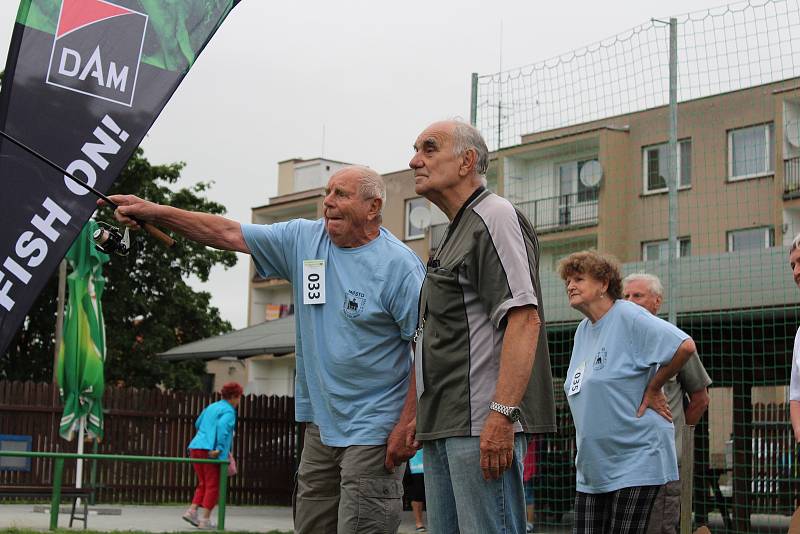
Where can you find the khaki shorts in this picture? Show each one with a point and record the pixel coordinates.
(665, 517)
(346, 490)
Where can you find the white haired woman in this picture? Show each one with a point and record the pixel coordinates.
(621, 358)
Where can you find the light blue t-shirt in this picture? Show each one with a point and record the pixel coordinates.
(416, 464)
(353, 354)
(620, 353)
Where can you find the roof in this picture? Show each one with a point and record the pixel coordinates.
(270, 337)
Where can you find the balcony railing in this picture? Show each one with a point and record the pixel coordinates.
(561, 212)
(791, 177)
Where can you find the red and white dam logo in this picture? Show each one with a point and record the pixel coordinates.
(97, 50)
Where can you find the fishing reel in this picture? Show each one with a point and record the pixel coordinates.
(108, 239)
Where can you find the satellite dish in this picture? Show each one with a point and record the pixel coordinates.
(793, 133)
(591, 173)
(420, 217)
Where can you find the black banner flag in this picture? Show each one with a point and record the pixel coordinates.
(84, 81)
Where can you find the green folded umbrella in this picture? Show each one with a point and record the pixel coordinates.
(80, 360)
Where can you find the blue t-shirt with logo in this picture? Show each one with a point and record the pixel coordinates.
(352, 353)
(620, 353)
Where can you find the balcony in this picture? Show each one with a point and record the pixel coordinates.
(563, 212)
(791, 178)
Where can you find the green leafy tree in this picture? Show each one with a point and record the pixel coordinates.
(148, 306)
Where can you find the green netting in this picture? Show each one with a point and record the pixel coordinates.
(737, 167)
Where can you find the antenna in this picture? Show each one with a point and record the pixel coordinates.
(500, 99)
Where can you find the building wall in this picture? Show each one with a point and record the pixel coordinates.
(709, 209)
(227, 370)
(399, 189)
(271, 376)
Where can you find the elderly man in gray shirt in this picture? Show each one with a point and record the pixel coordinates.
(692, 381)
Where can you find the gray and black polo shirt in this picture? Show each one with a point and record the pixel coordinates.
(486, 265)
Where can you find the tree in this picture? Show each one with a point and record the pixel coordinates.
(148, 306)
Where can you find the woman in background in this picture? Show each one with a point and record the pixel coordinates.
(621, 358)
(213, 439)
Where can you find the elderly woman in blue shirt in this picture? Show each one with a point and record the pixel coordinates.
(621, 358)
(213, 439)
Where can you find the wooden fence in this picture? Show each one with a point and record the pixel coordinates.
(157, 423)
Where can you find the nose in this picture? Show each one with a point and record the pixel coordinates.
(328, 200)
(416, 161)
(796, 270)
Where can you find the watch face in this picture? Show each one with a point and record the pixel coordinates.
(515, 415)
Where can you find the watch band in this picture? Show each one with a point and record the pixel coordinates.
(512, 412)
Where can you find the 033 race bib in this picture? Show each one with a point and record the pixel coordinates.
(313, 281)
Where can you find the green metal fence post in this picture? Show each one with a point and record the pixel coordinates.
(223, 495)
(55, 500)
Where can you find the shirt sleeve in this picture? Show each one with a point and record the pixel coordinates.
(225, 425)
(693, 376)
(655, 340)
(502, 264)
(794, 379)
(272, 247)
(404, 303)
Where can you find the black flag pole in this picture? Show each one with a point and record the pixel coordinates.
(149, 228)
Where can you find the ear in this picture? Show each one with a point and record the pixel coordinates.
(468, 161)
(605, 287)
(375, 206)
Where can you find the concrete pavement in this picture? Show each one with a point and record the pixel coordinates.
(159, 518)
(167, 518)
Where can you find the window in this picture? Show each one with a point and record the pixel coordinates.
(571, 187)
(656, 250)
(655, 159)
(418, 217)
(751, 239)
(750, 151)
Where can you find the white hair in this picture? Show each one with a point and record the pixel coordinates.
(467, 137)
(653, 282)
(795, 243)
(370, 184)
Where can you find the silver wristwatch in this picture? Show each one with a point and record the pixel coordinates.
(512, 412)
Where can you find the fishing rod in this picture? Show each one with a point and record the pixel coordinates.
(107, 238)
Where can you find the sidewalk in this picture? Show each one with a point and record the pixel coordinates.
(240, 518)
(160, 518)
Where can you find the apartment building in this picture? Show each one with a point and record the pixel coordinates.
(602, 184)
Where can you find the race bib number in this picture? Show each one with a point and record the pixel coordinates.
(314, 282)
(577, 380)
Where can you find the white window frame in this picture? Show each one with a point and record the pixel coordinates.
(768, 236)
(659, 241)
(407, 221)
(645, 149)
(578, 184)
(769, 136)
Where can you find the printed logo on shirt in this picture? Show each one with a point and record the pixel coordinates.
(600, 359)
(354, 303)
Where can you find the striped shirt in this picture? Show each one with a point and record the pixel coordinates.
(487, 265)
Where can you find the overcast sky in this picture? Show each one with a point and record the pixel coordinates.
(373, 74)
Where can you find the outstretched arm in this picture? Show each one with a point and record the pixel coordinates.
(211, 230)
